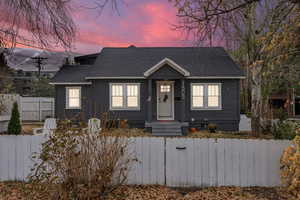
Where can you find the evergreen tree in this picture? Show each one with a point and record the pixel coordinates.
(14, 126)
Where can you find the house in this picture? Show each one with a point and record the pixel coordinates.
(163, 89)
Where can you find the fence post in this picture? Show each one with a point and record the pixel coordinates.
(40, 112)
(165, 160)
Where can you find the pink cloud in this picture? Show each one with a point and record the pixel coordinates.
(162, 18)
(144, 24)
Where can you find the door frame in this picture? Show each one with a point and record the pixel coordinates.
(158, 83)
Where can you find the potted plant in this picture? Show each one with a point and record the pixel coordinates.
(212, 127)
(193, 130)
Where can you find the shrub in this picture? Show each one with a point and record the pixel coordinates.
(14, 125)
(212, 128)
(280, 113)
(76, 165)
(290, 167)
(285, 130)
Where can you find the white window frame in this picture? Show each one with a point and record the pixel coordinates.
(125, 105)
(67, 98)
(205, 97)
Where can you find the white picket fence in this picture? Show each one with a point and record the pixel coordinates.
(176, 162)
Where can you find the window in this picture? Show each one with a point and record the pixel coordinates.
(165, 88)
(205, 96)
(124, 96)
(198, 96)
(213, 96)
(73, 97)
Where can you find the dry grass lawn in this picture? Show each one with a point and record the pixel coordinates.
(22, 191)
(233, 135)
(27, 129)
(133, 132)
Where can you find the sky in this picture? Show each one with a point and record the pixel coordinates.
(137, 22)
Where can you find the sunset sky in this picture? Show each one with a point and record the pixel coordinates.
(139, 22)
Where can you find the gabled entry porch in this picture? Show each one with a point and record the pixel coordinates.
(166, 103)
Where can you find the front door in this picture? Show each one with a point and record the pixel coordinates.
(165, 100)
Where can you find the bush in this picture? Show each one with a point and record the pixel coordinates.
(212, 128)
(14, 126)
(290, 168)
(285, 130)
(280, 113)
(76, 165)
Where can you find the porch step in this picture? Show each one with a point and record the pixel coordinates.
(166, 129)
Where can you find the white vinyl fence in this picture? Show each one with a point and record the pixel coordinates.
(178, 162)
(37, 108)
(30, 108)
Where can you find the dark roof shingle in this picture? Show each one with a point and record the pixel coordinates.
(71, 73)
(134, 61)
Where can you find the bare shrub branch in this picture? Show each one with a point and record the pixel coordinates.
(75, 164)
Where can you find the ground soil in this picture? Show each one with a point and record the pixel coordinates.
(23, 191)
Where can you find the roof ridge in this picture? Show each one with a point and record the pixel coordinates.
(163, 47)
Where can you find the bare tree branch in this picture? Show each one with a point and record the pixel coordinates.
(42, 23)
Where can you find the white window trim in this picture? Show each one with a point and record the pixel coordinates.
(125, 97)
(205, 98)
(67, 98)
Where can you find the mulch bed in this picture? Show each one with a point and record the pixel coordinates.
(19, 190)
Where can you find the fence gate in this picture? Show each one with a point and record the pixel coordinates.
(223, 162)
(37, 108)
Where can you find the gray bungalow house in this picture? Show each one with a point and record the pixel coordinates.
(163, 89)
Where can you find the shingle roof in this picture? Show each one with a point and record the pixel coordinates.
(134, 61)
(72, 73)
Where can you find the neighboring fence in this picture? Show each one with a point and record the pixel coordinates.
(31, 108)
(37, 108)
(180, 162)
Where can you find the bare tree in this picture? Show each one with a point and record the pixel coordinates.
(249, 25)
(43, 23)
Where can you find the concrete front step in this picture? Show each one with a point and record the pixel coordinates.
(166, 134)
(168, 128)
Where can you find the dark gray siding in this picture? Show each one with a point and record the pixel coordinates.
(60, 103)
(95, 100)
(100, 102)
(227, 118)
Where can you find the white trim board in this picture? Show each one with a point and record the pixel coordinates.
(216, 77)
(189, 77)
(114, 77)
(70, 83)
(171, 63)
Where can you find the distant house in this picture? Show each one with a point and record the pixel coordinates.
(165, 90)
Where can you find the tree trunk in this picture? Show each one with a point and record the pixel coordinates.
(256, 101)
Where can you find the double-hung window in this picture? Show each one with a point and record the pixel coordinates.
(124, 96)
(73, 97)
(205, 96)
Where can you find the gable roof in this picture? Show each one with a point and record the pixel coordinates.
(135, 61)
(169, 62)
(139, 62)
(74, 74)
